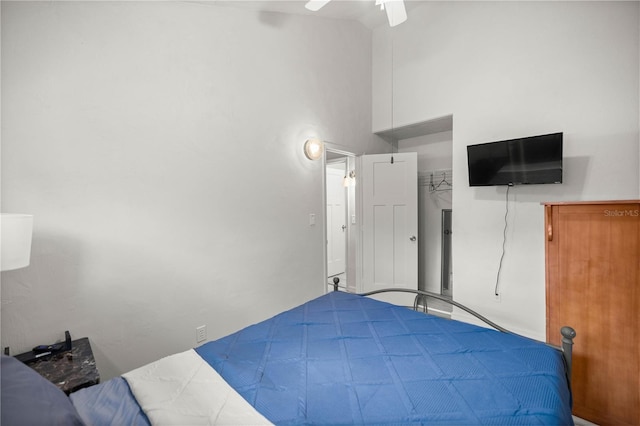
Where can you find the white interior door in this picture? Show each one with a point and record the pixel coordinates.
(390, 223)
(336, 220)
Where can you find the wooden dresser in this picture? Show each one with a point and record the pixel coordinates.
(593, 285)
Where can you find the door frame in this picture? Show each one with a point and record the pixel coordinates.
(353, 262)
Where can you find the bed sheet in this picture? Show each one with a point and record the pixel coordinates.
(347, 359)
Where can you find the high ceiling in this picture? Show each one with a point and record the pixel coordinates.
(364, 11)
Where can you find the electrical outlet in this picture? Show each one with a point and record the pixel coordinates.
(201, 333)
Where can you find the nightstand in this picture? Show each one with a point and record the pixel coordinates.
(69, 370)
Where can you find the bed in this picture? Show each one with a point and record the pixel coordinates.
(344, 359)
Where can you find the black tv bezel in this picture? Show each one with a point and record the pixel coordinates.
(530, 139)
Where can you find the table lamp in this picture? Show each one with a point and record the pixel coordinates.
(15, 232)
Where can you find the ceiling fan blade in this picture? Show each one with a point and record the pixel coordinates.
(396, 12)
(315, 5)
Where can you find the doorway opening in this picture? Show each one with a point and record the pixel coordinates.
(336, 201)
(340, 220)
(433, 141)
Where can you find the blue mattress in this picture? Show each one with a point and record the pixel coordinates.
(347, 359)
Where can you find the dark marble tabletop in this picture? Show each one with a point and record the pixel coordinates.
(69, 370)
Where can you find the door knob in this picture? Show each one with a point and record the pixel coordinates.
(343, 228)
(412, 238)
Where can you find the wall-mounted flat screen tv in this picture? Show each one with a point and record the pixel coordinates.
(525, 161)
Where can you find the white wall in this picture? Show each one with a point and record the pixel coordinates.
(159, 146)
(513, 69)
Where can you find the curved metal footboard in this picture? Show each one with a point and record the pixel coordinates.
(568, 333)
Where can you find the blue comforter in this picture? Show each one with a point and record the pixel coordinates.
(347, 359)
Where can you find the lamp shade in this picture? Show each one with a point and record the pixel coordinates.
(15, 230)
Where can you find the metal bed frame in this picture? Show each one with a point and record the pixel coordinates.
(568, 333)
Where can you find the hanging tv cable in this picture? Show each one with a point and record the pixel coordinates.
(504, 240)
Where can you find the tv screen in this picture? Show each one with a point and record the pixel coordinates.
(525, 161)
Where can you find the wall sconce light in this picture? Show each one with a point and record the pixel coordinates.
(15, 230)
(350, 179)
(313, 149)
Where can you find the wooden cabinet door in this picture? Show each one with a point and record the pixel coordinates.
(593, 273)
